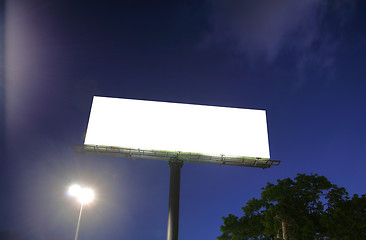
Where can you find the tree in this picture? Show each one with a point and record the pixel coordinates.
(308, 207)
(346, 219)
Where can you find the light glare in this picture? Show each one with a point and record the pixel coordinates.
(74, 190)
(83, 195)
(86, 196)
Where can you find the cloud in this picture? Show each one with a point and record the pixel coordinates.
(264, 29)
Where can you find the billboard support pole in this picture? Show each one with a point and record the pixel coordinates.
(174, 189)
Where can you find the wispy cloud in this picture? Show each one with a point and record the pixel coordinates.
(263, 29)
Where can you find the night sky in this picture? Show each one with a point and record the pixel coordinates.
(303, 61)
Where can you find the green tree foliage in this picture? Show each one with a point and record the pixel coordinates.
(307, 207)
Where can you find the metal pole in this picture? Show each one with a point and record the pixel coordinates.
(174, 188)
(77, 228)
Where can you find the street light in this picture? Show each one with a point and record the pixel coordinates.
(84, 196)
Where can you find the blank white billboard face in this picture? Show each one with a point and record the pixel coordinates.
(150, 125)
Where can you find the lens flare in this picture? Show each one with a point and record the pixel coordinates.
(74, 190)
(86, 195)
(83, 195)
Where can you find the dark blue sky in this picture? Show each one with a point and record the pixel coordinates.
(301, 61)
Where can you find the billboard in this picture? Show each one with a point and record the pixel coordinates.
(176, 127)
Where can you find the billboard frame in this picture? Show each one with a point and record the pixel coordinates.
(172, 156)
